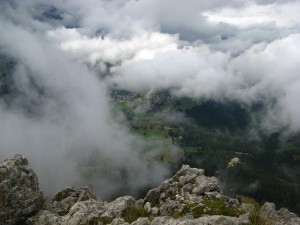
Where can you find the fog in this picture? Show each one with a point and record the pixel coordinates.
(69, 54)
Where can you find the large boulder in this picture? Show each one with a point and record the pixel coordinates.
(20, 195)
(66, 198)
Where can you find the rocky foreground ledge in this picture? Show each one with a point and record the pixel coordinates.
(188, 198)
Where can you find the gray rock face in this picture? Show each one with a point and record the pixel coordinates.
(44, 217)
(169, 207)
(84, 212)
(213, 220)
(188, 185)
(141, 221)
(66, 198)
(87, 212)
(153, 196)
(283, 216)
(80, 213)
(188, 198)
(119, 221)
(117, 207)
(20, 196)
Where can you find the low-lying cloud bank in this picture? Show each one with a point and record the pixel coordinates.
(246, 51)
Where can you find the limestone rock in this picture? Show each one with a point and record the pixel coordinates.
(20, 196)
(187, 195)
(66, 198)
(80, 213)
(214, 220)
(44, 217)
(116, 208)
(153, 196)
(119, 221)
(283, 216)
(141, 221)
(168, 208)
(188, 184)
(83, 212)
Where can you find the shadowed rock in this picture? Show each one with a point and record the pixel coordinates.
(66, 198)
(20, 196)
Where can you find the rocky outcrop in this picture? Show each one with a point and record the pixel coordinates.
(20, 196)
(283, 216)
(66, 198)
(216, 220)
(187, 198)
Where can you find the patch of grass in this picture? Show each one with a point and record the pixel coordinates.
(132, 214)
(209, 207)
(153, 134)
(255, 218)
(125, 105)
(287, 147)
(186, 104)
(216, 207)
(248, 200)
(192, 149)
(186, 209)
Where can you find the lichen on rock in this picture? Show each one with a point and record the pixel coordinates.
(20, 196)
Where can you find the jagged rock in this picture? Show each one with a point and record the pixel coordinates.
(188, 175)
(139, 203)
(141, 221)
(268, 211)
(283, 216)
(80, 213)
(153, 196)
(44, 217)
(288, 216)
(154, 211)
(206, 184)
(187, 185)
(20, 196)
(213, 220)
(188, 194)
(84, 212)
(117, 207)
(119, 221)
(169, 207)
(66, 198)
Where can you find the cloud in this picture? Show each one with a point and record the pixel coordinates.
(61, 120)
(266, 72)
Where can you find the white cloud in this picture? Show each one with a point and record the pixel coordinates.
(60, 118)
(282, 15)
(217, 49)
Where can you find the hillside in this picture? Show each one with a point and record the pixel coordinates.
(211, 133)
